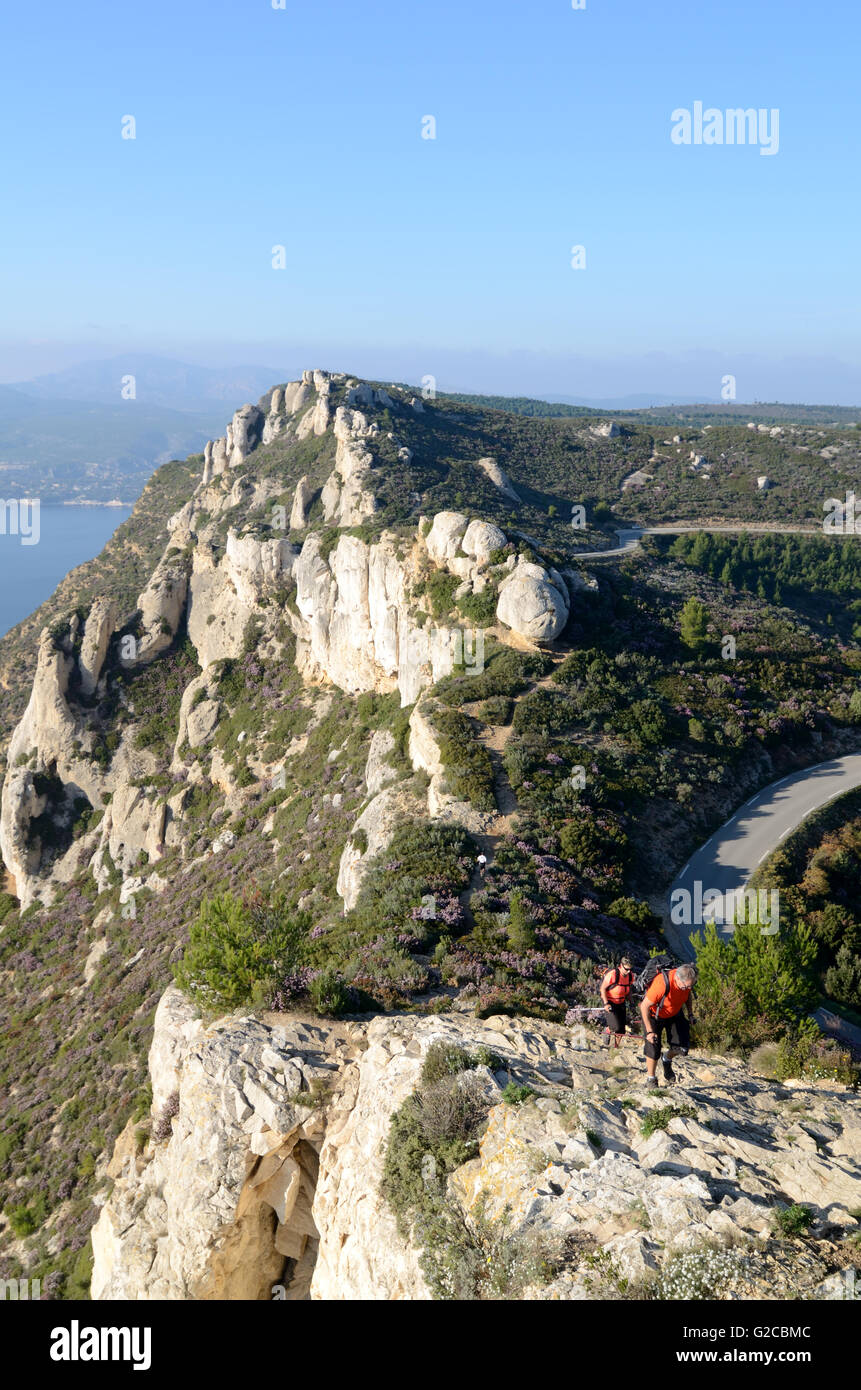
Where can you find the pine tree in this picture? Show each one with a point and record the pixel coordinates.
(695, 621)
(843, 979)
(521, 935)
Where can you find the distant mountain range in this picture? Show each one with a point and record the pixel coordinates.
(72, 436)
(160, 382)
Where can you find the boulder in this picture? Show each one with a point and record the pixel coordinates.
(443, 540)
(533, 604)
(481, 539)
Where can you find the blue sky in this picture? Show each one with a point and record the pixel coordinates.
(302, 127)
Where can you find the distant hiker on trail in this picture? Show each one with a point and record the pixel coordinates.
(667, 994)
(615, 988)
(481, 861)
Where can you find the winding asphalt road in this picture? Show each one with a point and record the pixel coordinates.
(630, 536)
(729, 859)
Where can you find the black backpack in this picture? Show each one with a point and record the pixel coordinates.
(655, 965)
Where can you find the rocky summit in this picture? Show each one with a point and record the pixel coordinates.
(350, 607)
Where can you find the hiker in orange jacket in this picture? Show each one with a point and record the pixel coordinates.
(615, 988)
(661, 1012)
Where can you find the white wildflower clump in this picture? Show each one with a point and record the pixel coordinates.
(702, 1274)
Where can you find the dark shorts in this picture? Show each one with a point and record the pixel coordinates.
(617, 1018)
(676, 1030)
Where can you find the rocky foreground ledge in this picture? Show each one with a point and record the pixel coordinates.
(264, 1164)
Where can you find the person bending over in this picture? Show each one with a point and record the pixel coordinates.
(661, 1011)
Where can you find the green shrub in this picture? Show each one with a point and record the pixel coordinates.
(521, 933)
(78, 1283)
(329, 994)
(440, 590)
(644, 724)
(633, 910)
(239, 950)
(442, 1061)
(451, 1110)
(506, 672)
(483, 1056)
(751, 986)
(843, 979)
(792, 1221)
(694, 624)
(497, 710)
(661, 1116)
(419, 856)
(479, 609)
(543, 712)
(804, 1052)
(466, 1256)
(468, 767)
(513, 1094)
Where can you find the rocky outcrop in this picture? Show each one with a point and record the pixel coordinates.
(246, 430)
(255, 1189)
(534, 602)
(218, 1209)
(94, 647)
(425, 756)
(225, 594)
(357, 625)
(371, 833)
(347, 496)
(500, 479)
(388, 807)
(44, 749)
(481, 539)
(443, 541)
(47, 722)
(361, 616)
(162, 605)
(21, 851)
(301, 502)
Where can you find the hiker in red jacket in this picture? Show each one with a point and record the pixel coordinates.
(661, 1011)
(615, 988)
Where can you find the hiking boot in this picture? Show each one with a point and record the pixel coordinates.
(669, 1074)
(651, 1083)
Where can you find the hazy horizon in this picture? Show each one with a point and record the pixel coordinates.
(660, 377)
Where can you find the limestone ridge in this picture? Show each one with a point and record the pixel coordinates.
(253, 1187)
(236, 556)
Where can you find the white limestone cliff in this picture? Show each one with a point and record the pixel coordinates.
(357, 609)
(254, 1193)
